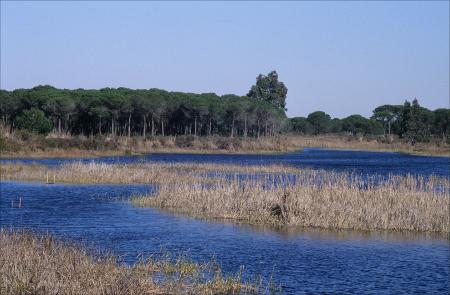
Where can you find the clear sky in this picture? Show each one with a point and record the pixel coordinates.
(340, 57)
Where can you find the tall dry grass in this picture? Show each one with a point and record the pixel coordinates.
(78, 172)
(38, 146)
(270, 194)
(316, 199)
(31, 264)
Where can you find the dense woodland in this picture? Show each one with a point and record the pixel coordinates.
(409, 121)
(141, 112)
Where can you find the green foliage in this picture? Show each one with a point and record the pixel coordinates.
(441, 122)
(416, 122)
(301, 125)
(389, 116)
(269, 89)
(335, 125)
(319, 120)
(34, 120)
(155, 112)
(124, 111)
(357, 124)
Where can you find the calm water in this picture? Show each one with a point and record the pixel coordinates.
(367, 163)
(309, 261)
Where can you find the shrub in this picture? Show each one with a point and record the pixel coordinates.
(34, 120)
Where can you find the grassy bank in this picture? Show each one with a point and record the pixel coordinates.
(154, 173)
(29, 145)
(317, 199)
(31, 264)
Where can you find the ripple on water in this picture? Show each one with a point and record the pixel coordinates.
(300, 260)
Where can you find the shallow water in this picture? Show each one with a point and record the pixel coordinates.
(301, 261)
(365, 163)
(309, 261)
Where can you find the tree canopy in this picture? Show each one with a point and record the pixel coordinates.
(409, 121)
(150, 112)
(268, 88)
(127, 112)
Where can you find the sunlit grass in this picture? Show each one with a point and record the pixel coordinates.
(88, 147)
(315, 199)
(31, 264)
(272, 194)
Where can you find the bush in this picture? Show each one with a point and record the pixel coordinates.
(7, 145)
(34, 120)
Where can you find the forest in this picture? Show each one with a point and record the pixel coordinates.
(152, 112)
(409, 121)
(127, 112)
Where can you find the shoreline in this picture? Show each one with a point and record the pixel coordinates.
(73, 268)
(88, 154)
(297, 230)
(72, 147)
(311, 198)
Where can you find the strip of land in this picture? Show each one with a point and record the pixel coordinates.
(322, 200)
(141, 173)
(39, 146)
(32, 264)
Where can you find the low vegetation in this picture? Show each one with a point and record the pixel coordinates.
(31, 264)
(26, 144)
(272, 194)
(150, 173)
(315, 199)
(184, 117)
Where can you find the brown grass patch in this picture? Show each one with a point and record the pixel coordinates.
(78, 172)
(37, 146)
(43, 265)
(318, 199)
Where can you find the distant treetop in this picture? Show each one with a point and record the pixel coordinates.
(269, 89)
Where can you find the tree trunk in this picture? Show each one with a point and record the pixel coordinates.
(153, 127)
(145, 127)
(389, 128)
(129, 125)
(112, 127)
(100, 126)
(162, 127)
(210, 127)
(232, 127)
(259, 130)
(195, 126)
(59, 126)
(245, 126)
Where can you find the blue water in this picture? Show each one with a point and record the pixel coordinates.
(301, 261)
(367, 163)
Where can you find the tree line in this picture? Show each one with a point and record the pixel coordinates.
(128, 112)
(409, 121)
(151, 112)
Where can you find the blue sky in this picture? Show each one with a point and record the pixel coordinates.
(340, 57)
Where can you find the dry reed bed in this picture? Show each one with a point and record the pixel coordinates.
(223, 145)
(366, 144)
(78, 172)
(42, 265)
(316, 199)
